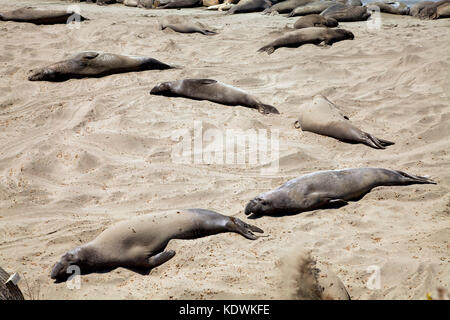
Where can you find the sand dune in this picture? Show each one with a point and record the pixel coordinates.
(77, 156)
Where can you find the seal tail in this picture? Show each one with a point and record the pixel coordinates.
(209, 33)
(266, 109)
(375, 142)
(269, 49)
(244, 229)
(412, 179)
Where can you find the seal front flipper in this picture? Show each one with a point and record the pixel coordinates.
(160, 258)
(336, 203)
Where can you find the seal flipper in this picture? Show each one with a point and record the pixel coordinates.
(374, 142)
(246, 230)
(266, 108)
(412, 179)
(160, 258)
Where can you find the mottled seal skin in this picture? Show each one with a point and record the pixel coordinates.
(325, 188)
(138, 244)
(211, 90)
(286, 6)
(315, 20)
(37, 16)
(345, 13)
(322, 117)
(95, 64)
(175, 4)
(245, 6)
(187, 28)
(401, 8)
(300, 37)
(311, 8)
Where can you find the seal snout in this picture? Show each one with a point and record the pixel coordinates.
(57, 271)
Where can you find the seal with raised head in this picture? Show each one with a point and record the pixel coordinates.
(95, 64)
(187, 28)
(245, 6)
(286, 6)
(300, 37)
(311, 8)
(315, 20)
(39, 16)
(323, 117)
(324, 188)
(211, 90)
(345, 13)
(138, 244)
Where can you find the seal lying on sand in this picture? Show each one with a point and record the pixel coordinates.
(322, 188)
(415, 9)
(322, 117)
(211, 90)
(95, 64)
(286, 6)
(138, 244)
(311, 8)
(344, 13)
(38, 16)
(175, 4)
(315, 20)
(297, 38)
(187, 28)
(245, 6)
(400, 8)
(440, 9)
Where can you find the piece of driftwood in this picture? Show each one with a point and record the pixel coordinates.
(8, 290)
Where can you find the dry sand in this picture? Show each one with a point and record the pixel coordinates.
(79, 155)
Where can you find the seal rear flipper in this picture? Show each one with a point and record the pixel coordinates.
(266, 108)
(209, 32)
(412, 179)
(269, 49)
(374, 142)
(246, 230)
(160, 258)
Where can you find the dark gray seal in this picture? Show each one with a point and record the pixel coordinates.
(322, 117)
(175, 4)
(246, 6)
(345, 13)
(95, 64)
(300, 37)
(187, 28)
(38, 16)
(315, 20)
(138, 244)
(211, 90)
(323, 188)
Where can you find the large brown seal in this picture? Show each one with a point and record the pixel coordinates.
(311, 8)
(187, 28)
(345, 13)
(245, 6)
(322, 188)
(95, 64)
(138, 244)
(38, 16)
(315, 20)
(322, 117)
(212, 90)
(300, 37)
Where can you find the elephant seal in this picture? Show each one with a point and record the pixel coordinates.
(415, 9)
(38, 16)
(315, 20)
(286, 6)
(211, 90)
(175, 4)
(400, 8)
(440, 9)
(245, 6)
(300, 37)
(138, 244)
(95, 64)
(322, 117)
(187, 28)
(311, 8)
(322, 188)
(344, 13)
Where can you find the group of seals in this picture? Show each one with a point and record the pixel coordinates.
(139, 243)
(38, 16)
(322, 117)
(322, 188)
(212, 90)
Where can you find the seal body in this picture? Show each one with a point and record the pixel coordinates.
(345, 13)
(245, 6)
(322, 117)
(139, 243)
(95, 64)
(315, 20)
(38, 16)
(322, 188)
(400, 8)
(286, 6)
(415, 9)
(187, 28)
(300, 37)
(212, 90)
(311, 8)
(440, 9)
(175, 4)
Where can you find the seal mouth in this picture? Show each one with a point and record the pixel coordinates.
(249, 207)
(56, 271)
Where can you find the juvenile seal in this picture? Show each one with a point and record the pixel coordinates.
(138, 244)
(311, 8)
(286, 6)
(322, 117)
(344, 13)
(95, 64)
(315, 20)
(38, 16)
(300, 37)
(245, 6)
(322, 188)
(211, 90)
(187, 28)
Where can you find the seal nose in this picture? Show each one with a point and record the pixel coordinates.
(249, 207)
(56, 270)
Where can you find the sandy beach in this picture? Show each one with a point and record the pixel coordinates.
(79, 155)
